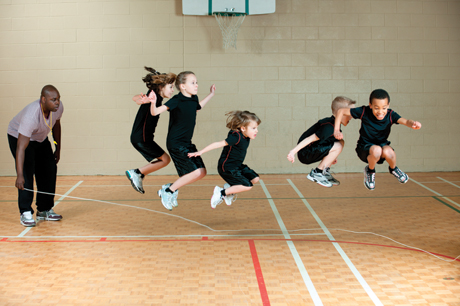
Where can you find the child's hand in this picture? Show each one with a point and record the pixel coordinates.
(212, 89)
(194, 154)
(291, 157)
(416, 125)
(338, 135)
(144, 99)
(152, 97)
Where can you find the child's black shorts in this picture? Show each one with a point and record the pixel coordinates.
(314, 153)
(239, 176)
(363, 153)
(150, 150)
(184, 164)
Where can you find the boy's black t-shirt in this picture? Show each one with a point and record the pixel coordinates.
(373, 131)
(233, 155)
(324, 129)
(145, 124)
(182, 120)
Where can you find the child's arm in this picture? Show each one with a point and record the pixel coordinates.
(340, 113)
(141, 99)
(208, 97)
(410, 123)
(301, 145)
(212, 146)
(154, 110)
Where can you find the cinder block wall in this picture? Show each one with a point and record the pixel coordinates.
(288, 67)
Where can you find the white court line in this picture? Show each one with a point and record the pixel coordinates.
(303, 271)
(437, 193)
(347, 260)
(448, 182)
(163, 236)
(55, 203)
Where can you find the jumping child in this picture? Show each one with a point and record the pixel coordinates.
(161, 86)
(183, 108)
(319, 144)
(373, 146)
(239, 177)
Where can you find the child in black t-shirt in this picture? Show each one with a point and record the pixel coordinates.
(373, 145)
(319, 144)
(239, 177)
(161, 86)
(182, 109)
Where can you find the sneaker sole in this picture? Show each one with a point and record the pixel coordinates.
(132, 183)
(316, 181)
(48, 219)
(159, 194)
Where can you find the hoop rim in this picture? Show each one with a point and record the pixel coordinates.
(228, 13)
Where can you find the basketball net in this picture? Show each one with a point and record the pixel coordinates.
(229, 24)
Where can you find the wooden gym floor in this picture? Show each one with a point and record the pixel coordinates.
(286, 242)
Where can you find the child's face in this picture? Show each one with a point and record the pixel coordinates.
(51, 101)
(250, 130)
(167, 91)
(379, 108)
(190, 87)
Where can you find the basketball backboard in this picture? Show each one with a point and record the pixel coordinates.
(208, 7)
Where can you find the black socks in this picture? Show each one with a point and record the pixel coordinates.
(138, 172)
(169, 190)
(222, 192)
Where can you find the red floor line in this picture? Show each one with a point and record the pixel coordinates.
(211, 240)
(259, 276)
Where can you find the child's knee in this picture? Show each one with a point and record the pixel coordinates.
(376, 151)
(255, 180)
(388, 152)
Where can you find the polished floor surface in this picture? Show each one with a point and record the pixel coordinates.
(288, 241)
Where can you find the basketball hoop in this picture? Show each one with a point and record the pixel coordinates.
(229, 23)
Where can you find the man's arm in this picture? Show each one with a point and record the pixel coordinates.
(410, 123)
(23, 142)
(57, 140)
(301, 145)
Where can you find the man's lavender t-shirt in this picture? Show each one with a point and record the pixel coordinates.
(30, 122)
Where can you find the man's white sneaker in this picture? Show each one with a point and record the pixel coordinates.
(27, 219)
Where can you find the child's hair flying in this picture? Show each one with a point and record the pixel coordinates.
(341, 102)
(156, 81)
(237, 119)
(181, 78)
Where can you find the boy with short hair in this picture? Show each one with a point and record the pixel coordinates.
(373, 145)
(319, 144)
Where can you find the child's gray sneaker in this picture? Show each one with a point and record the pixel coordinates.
(319, 178)
(136, 180)
(230, 198)
(27, 219)
(217, 197)
(330, 178)
(166, 198)
(400, 175)
(369, 179)
(48, 215)
(175, 194)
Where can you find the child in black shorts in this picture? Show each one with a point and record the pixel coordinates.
(161, 86)
(319, 144)
(239, 177)
(182, 109)
(373, 145)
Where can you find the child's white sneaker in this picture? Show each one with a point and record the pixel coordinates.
(329, 177)
(217, 197)
(400, 175)
(229, 198)
(319, 178)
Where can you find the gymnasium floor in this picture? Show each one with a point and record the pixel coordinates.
(273, 246)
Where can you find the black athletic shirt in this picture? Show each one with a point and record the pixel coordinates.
(324, 129)
(182, 120)
(373, 131)
(233, 155)
(145, 124)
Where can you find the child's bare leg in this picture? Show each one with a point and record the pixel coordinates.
(162, 162)
(240, 188)
(332, 156)
(390, 156)
(375, 153)
(188, 179)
